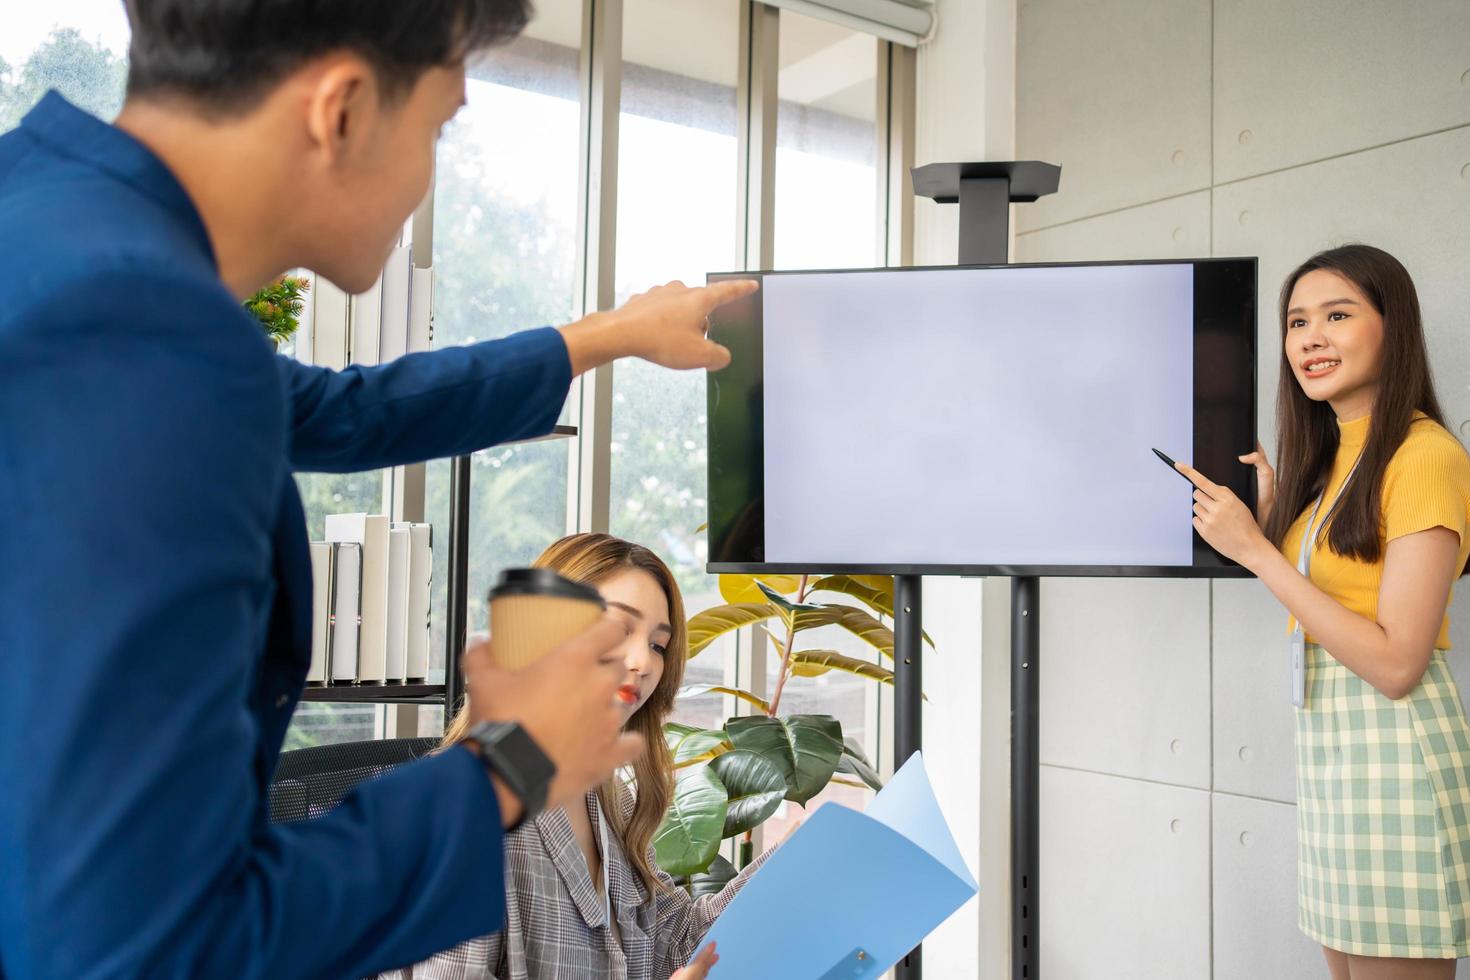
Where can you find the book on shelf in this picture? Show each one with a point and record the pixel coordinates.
(322, 554)
(370, 531)
(346, 619)
(399, 545)
(419, 582)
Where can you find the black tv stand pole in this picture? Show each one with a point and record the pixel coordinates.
(984, 192)
(908, 700)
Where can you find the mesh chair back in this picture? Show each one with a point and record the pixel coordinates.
(309, 782)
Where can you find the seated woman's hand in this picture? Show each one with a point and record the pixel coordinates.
(698, 968)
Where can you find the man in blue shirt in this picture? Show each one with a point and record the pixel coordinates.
(154, 574)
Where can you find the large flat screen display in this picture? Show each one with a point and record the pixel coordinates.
(980, 420)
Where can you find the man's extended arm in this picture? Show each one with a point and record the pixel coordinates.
(143, 457)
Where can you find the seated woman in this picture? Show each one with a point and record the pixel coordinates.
(583, 895)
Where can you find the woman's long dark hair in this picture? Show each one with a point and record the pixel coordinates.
(1307, 434)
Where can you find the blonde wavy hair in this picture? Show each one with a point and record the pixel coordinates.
(593, 559)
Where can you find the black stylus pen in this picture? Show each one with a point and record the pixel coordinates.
(1170, 463)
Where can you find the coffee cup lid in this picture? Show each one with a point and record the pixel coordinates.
(543, 582)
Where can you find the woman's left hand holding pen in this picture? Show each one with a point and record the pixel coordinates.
(1265, 483)
(1225, 522)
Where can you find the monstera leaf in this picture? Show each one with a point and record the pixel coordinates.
(804, 748)
(755, 787)
(690, 835)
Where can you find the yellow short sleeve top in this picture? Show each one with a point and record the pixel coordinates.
(1426, 484)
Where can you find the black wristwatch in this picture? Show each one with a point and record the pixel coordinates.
(512, 755)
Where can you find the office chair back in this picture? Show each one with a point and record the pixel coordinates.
(309, 782)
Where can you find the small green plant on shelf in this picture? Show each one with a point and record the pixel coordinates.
(278, 307)
(732, 779)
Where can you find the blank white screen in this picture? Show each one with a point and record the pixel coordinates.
(979, 417)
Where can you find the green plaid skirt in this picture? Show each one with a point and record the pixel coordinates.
(1383, 814)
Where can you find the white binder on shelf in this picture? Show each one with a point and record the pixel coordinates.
(397, 286)
(371, 532)
(398, 561)
(367, 315)
(328, 325)
(321, 610)
(346, 621)
(421, 311)
(420, 580)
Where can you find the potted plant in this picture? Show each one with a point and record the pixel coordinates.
(732, 779)
(278, 307)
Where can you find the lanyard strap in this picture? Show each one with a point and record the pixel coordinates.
(1310, 535)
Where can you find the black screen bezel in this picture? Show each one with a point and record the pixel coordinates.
(1225, 318)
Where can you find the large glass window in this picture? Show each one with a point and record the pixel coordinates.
(78, 47)
(827, 217)
(677, 167)
(826, 147)
(505, 257)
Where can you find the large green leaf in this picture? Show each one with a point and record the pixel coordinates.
(814, 663)
(784, 603)
(700, 745)
(805, 748)
(674, 732)
(755, 789)
(860, 587)
(880, 600)
(747, 588)
(713, 881)
(861, 624)
(865, 627)
(854, 763)
(695, 690)
(710, 625)
(690, 834)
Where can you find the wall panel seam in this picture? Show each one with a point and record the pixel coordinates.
(1343, 155)
(1254, 799)
(1119, 775)
(1103, 214)
(1239, 180)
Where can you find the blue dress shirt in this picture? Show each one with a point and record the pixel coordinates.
(155, 597)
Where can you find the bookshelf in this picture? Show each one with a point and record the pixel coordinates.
(451, 691)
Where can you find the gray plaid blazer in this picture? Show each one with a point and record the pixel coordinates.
(555, 927)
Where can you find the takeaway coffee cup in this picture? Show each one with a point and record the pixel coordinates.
(534, 610)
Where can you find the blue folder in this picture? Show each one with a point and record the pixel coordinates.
(849, 893)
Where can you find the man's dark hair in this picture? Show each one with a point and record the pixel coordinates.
(227, 55)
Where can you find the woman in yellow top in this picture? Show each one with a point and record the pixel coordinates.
(1383, 747)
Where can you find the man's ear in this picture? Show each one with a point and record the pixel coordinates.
(341, 103)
